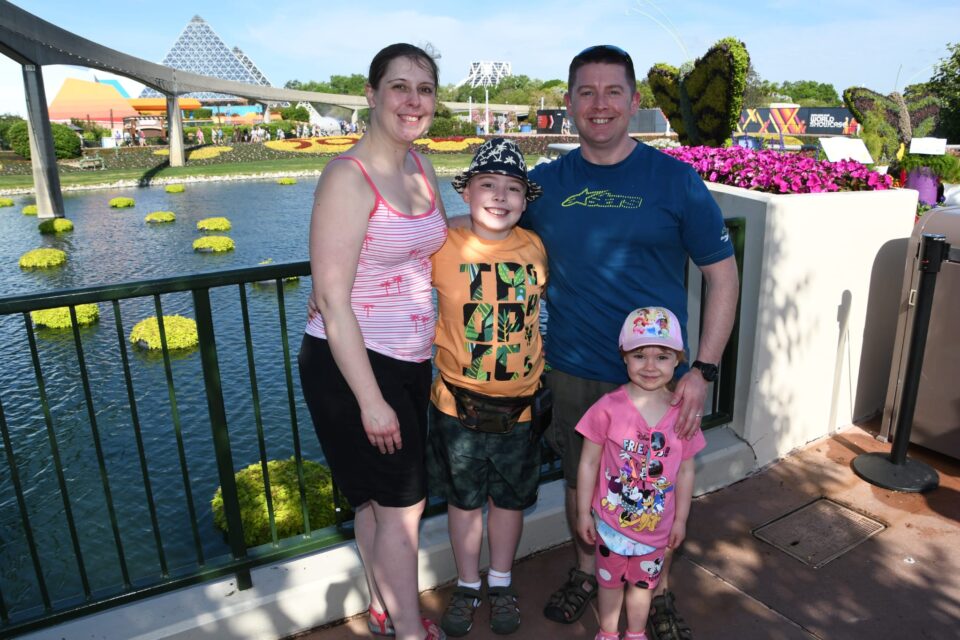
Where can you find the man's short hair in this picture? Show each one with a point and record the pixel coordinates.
(607, 54)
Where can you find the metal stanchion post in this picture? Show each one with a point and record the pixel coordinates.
(894, 471)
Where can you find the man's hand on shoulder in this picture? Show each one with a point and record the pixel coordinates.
(690, 394)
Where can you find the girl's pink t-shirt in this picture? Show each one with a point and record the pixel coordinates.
(638, 467)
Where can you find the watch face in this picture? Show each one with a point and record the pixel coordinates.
(709, 371)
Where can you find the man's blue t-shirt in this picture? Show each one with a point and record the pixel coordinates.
(618, 238)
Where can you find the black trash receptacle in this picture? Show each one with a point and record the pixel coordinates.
(936, 420)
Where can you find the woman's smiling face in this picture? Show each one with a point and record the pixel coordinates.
(405, 99)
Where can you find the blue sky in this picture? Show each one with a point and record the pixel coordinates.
(843, 42)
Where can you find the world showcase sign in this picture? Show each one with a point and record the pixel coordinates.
(793, 120)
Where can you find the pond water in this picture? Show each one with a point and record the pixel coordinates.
(110, 246)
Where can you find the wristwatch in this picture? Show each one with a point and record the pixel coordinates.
(707, 370)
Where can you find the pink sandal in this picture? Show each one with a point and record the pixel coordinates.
(380, 624)
(606, 635)
(434, 632)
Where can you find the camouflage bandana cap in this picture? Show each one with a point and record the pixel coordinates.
(502, 156)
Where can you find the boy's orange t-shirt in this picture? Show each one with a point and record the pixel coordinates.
(488, 326)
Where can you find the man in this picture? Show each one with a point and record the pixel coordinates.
(619, 221)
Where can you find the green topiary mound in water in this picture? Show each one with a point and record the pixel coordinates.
(286, 181)
(121, 203)
(42, 259)
(174, 188)
(30, 210)
(55, 225)
(285, 495)
(214, 224)
(181, 333)
(213, 244)
(159, 217)
(59, 317)
(6, 202)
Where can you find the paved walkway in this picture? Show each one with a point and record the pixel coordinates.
(902, 583)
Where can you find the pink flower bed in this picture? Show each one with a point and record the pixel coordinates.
(777, 172)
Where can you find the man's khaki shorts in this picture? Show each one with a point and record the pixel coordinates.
(572, 396)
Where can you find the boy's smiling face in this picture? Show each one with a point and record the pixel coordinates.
(496, 203)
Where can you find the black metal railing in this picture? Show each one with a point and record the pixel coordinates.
(65, 558)
(73, 411)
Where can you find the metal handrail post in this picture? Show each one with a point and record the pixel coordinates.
(218, 425)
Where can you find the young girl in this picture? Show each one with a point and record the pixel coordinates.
(635, 479)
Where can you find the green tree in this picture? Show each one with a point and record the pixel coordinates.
(810, 93)
(7, 120)
(352, 85)
(296, 114)
(945, 84)
(759, 92)
(647, 101)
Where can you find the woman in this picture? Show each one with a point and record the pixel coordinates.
(365, 361)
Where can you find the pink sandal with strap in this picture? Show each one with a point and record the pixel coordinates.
(379, 624)
(434, 632)
(606, 635)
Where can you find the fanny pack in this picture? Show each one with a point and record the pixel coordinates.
(490, 414)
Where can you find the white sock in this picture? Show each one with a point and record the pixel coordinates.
(499, 578)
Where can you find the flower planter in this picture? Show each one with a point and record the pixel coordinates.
(925, 182)
(818, 311)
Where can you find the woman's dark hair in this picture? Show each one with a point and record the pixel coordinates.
(380, 62)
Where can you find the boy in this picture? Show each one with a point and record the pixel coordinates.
(489, 280)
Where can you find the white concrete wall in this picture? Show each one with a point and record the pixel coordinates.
(807, 271)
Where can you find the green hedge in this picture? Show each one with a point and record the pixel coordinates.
(66, 143)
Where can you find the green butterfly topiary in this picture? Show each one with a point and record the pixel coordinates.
(703, 102)
(895, 118)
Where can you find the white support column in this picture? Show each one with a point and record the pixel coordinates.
(175, 132)
(266, 113)
(43, 158)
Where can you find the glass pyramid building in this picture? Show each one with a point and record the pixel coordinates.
(200, 50)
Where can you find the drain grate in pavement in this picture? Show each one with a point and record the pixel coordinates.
(818, 532)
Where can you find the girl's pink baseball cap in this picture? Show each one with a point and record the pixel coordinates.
(651, 326)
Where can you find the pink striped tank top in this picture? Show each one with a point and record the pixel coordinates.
(392, 295)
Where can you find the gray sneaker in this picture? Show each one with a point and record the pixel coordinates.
(458, 618)
(504, 612)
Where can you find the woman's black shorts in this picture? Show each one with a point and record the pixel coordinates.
(359, 470)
